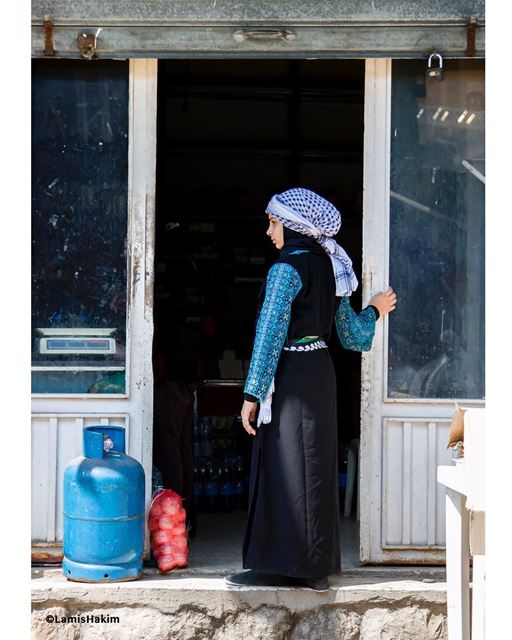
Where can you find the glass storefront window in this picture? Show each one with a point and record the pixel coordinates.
(436, 260)
(79, 226)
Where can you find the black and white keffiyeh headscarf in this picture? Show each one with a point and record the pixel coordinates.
(308, 213)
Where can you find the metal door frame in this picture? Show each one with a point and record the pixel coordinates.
(377, 411)
(58, 420)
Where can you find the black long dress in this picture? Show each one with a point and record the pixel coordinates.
(293, 520)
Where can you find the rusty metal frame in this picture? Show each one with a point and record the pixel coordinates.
(285, 29)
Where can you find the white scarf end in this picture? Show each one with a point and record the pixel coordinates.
(265, 414)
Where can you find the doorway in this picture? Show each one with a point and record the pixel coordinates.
(230, 134)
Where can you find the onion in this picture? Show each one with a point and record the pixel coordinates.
(166, 563)
(166, 522)
(181, 516)
(156, 508)
(166, 549)
(161, 536)
(153, 524)
(179, 529)
(171, 504)
(181, 559)
(179, 543)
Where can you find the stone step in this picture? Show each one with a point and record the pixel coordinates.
(372, 604)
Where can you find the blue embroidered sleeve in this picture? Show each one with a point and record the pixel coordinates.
(355, 331)
(283, 284)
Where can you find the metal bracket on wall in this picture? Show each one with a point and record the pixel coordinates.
(87, 43)
(470, 34)
(48, 37)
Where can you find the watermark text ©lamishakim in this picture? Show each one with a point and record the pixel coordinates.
(81, 618)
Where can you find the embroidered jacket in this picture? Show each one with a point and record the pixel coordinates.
(355, 331)
(283, 284)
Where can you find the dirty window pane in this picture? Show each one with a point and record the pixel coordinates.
(79, 226)
(436, 334)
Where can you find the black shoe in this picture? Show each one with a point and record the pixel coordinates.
(257, 579)
(317, 584)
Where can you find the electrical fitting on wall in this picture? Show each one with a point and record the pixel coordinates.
(87, 43)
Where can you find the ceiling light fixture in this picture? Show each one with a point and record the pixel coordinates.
(460, 119)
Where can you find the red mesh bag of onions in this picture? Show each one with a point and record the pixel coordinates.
(168, 530)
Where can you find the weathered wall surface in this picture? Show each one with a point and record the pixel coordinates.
(293, 11)
(291, 28)
(203, 609)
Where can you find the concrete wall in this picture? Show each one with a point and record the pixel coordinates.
(173, 608)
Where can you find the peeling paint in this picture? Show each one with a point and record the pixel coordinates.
(47, 556)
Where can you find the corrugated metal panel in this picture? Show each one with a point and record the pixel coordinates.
(325, 28)
(413, 502)
(43, 477)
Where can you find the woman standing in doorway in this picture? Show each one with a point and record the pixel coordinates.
(292, 534)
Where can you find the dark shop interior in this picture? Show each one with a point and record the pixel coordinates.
(232, 133)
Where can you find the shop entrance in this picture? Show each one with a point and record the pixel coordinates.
(231, 133)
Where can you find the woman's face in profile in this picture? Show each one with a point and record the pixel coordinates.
(275, 232)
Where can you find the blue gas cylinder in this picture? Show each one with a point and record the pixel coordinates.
(103, 510)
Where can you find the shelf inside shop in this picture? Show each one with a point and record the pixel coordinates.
(74, 367)
(204, 217)
(265, 93)
(253, 152)
(222, 383)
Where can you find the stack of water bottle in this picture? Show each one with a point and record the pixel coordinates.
(342, 471)
(220, 472)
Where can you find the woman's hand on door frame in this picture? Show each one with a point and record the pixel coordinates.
(384, 301)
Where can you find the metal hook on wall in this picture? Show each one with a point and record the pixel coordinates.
(87, 43)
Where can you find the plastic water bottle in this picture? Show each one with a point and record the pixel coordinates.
(226, 489)
(211, 490)
(196, 439)
(207, 437)
(239, 483)
(203, 480)
(198, 487)
(342, 473)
